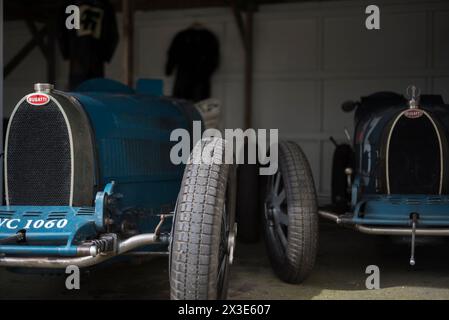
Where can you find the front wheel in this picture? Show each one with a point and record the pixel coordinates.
(204, 230)
(291, 216)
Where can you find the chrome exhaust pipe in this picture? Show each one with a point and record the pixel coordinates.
(330, 216)
(82, 262)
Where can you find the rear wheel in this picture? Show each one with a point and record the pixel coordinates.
(291, 216)
(204, 230)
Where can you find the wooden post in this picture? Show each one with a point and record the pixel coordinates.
(249, 68)
(128, 42)
(245, 28)
(239, 21)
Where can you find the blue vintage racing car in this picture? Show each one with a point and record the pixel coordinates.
(88, 178)
(392, 179)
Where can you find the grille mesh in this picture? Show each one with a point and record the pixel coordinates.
(38, 159)
(414, 163)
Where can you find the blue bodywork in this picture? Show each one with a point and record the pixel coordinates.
(51, 230)
(370, 204)
(77, 225)
(135, 176)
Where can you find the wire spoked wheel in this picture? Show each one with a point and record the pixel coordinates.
(291, 216)
(226, 254)
(276, 211)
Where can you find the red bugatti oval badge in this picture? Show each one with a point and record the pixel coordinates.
(38, 99)
(413, 113)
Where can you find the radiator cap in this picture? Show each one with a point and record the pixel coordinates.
(43, 87)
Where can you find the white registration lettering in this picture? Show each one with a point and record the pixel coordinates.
(62, 223)
(50, 224)
(28, 225)
(3, 222)
(38, 224)
(14, 224)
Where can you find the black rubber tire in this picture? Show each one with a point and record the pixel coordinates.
(207, 190)
(293, 261)
(248, 203)
(343, 158)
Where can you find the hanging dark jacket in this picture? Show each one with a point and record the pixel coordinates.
(194, 54)
(93, 44)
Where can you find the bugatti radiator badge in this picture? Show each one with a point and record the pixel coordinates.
(38, 99)
(413, 113)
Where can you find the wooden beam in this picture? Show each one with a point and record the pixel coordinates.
(128, 41)
(35, 33)
(23, 53)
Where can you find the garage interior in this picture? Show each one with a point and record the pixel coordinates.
(287, 65)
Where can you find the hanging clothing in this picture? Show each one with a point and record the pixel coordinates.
(93, 44)
(194, 53)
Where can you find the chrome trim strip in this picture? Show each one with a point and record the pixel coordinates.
(387, 171)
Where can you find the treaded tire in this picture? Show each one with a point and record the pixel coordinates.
(205, 208)
(292, 246)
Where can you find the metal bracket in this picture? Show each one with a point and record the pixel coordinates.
(101, 200)
(412, 255)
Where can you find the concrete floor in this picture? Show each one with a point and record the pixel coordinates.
(339, 274)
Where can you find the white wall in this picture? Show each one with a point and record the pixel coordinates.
(309, 58)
